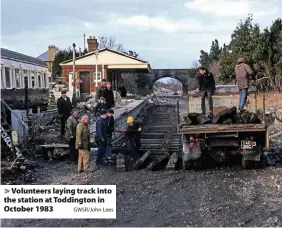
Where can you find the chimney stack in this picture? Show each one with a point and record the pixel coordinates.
(92, 43)
(51, 52)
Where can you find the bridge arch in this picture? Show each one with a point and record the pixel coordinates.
(179, 74)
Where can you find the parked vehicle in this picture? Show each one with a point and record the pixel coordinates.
(220, 141)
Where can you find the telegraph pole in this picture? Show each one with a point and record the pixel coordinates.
(84, 41)
(74, 101)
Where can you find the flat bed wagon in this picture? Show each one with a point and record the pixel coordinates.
(220, 141)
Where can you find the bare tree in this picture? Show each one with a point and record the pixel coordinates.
(110, 43)
(129, 81)
(192, 76)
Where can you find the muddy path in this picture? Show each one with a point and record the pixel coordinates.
(226, 196)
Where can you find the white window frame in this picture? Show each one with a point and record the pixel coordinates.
(11, 79)
(23, 75)
(3, 83)
(15, 78)
(99, 76)
(39, 79)
(30, 79)
(71, 81)
(46, 80)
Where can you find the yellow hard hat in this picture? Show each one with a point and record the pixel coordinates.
(130, 119)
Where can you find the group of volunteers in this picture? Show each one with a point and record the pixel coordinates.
(76, 131)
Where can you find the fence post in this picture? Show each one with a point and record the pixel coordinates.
(177, 110)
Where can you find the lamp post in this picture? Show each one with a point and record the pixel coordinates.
(96, 71)
(74, 101)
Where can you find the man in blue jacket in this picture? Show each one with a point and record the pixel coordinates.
(101, 136)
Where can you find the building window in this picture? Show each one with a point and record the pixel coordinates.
(32, 80)
(99, 78)
(39, 79)
(2, 77)
(18, 78)
(71, 78)
(8, 77)
(24, 74)
(44, 84)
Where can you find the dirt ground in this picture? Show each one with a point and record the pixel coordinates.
(222, 196)
(218, 196)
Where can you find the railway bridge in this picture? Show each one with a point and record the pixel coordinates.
(179, 74)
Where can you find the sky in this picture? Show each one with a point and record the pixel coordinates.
(166, 33)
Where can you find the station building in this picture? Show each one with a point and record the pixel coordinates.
(110, 65)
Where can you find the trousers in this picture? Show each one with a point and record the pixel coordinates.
(63, 124)
(108, 151)
(73, 153)
(101, 152)
(134, 147)
(207, 93)
(242, 98)
(83, 160)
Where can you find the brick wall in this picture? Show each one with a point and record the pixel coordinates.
(83, 68)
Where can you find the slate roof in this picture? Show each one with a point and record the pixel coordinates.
(12, 55)
(102, 50)
(44, 56)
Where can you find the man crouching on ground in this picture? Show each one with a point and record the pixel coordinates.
(100, 137)
(83, 144)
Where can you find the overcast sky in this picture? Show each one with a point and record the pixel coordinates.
(167, 33)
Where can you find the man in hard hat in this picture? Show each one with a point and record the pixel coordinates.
(133, 135)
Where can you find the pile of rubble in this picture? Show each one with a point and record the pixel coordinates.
(273, 157)
(226, 116)
(19, 172)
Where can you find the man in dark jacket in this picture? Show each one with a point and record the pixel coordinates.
(122, 91)
(101, 137)
(64, 109)
(101, 90)
(110, 130)
(109, 96)
(243, 72)
(70, 136)
(206, 88)
(133, 135)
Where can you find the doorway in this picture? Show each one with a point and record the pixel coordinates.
(85, 85)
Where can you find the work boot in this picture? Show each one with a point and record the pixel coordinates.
(242, 111)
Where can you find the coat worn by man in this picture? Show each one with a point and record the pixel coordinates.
(206, 87)
(243, 71)
(64, 109)
(206, 82)
(71, 137)
(100, 138)
(109, 97)
(83, 145)
(101, 92)
(134, 137)
(110, 129)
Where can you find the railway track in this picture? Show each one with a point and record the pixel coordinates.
(160, 145)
